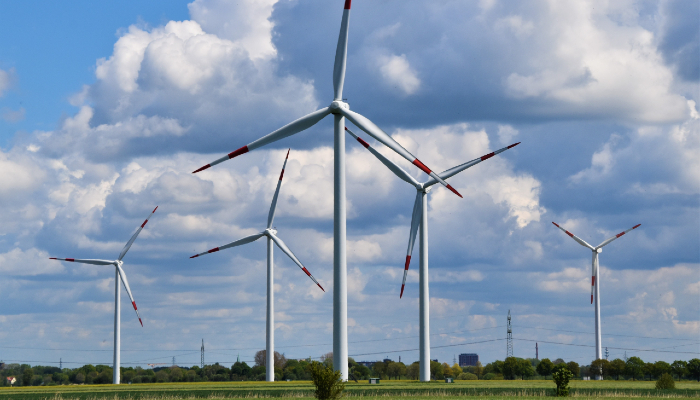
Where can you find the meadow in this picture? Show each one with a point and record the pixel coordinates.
(386, 390)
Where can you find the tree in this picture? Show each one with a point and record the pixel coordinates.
(525, 369)
(575, 369)
(27, 376)
(478, 369)
(660, 368)
(328, 382)
(510, 368)
(456, 370)
(600, 366)
(396, 369)
(679, 368)
(447, 370)
(545, 366)
(616, 368)
(634, 367)
(436, 370)
(280, 359)
(327, 359)
(665, 382)
(694, 368)
(380, 369)
(561, 376)
(413, 371)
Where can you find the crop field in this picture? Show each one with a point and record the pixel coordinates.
(386, 390)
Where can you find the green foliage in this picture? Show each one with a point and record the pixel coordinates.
(634, 367)
(467, 376)
(27, 376)
(490, 376)
(545, 366)
(574, 368)
(561, 376)
(694, 368)
(679, 368)
(328, 383)
(600, 367)
(616, 368)
(665, 382)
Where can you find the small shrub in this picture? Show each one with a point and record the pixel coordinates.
(665, 382)
(328, 384)
(561, 377)
(467, 376)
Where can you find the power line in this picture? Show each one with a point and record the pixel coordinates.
(607, 334)
(614, 348)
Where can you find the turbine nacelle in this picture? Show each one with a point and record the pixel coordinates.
(598, 250)
(336, 105)
(269, 231)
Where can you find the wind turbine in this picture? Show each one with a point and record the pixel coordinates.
(420, 218)
(270, 232)
(595, 288)
(119, 275)
(340, 110)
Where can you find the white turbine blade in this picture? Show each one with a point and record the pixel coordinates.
(454, 171)
(415, 223)
(133, 237)
(273, 206)
(398, 171)
(290, 129)
(373, 130)
(291, 255)
(85, 261)
(576, 238)
(122, 275)
(607, 241)
(238, 242)
(341, 55)
(594, 268)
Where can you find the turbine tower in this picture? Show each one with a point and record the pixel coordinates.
(340, 110)
(595, 283)
(270, 232)
(420, 219)
(120, 275)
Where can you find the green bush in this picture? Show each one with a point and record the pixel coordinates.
(665, 382)
(561, 377)
(328, 384)
(467, 376)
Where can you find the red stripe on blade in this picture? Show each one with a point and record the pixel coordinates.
(408, 261)
(319, 285)
(362, 142)
(282, 175)
(215, 249)
(154, 210)
(201, 169)
(454, 190)
(347, 4)
(288, 150)
(141, 322)
(486, 157)
(134, 304)
(401, 295)
(144, 223)
(636, 226)
(70, 259)
(195, 256)
(593, 280)
(620, 234)
(52, 258)
(422, 166)
(238, 152)
(305, 270)
(591, 299)
(513, 145)
(555, 224)
(569, 233)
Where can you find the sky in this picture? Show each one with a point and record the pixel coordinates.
(106, 110)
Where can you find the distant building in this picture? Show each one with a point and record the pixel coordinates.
(368, 364)
(468, 360)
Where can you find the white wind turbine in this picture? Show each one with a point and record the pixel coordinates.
(420, 218)
(595, 288)
(340, 110)
(119, 275)
(271, 237)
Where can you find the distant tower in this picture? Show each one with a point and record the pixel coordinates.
(625, 355)
(509, 339)
(60, 362)
(607, 354)
(238, 358)
(454, 359)
(202, 353)
(174, 361)
(537, 352)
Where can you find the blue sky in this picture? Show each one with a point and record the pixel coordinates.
(106, 110)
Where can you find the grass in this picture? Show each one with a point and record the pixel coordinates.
(386, 390)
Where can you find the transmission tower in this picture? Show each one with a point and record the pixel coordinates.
(174, 361)
(202, 353)
(60, 363)
(607, 354)
(509, 352)
(537, 352)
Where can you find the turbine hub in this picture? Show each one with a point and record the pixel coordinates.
(598, 250)
(271, 230)
(336, 104)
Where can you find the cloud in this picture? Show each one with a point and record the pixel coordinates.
(6, 79)
(12, 115)
(31, 262)
(398, 73)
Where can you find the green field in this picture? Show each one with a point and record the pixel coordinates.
(387, 389)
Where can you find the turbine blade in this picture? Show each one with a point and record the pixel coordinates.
(373, 130)
(455, 170)
(341, 54)
(291, 255)
(84, 261)
(576, 238)
(594, 268)
(122, 276)
(238, 242)
(607, 241)
(133, 237)
(290, 129)
(398, 171)
(273, 206)
(415, 223)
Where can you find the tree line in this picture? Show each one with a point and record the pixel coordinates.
(510, 368)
